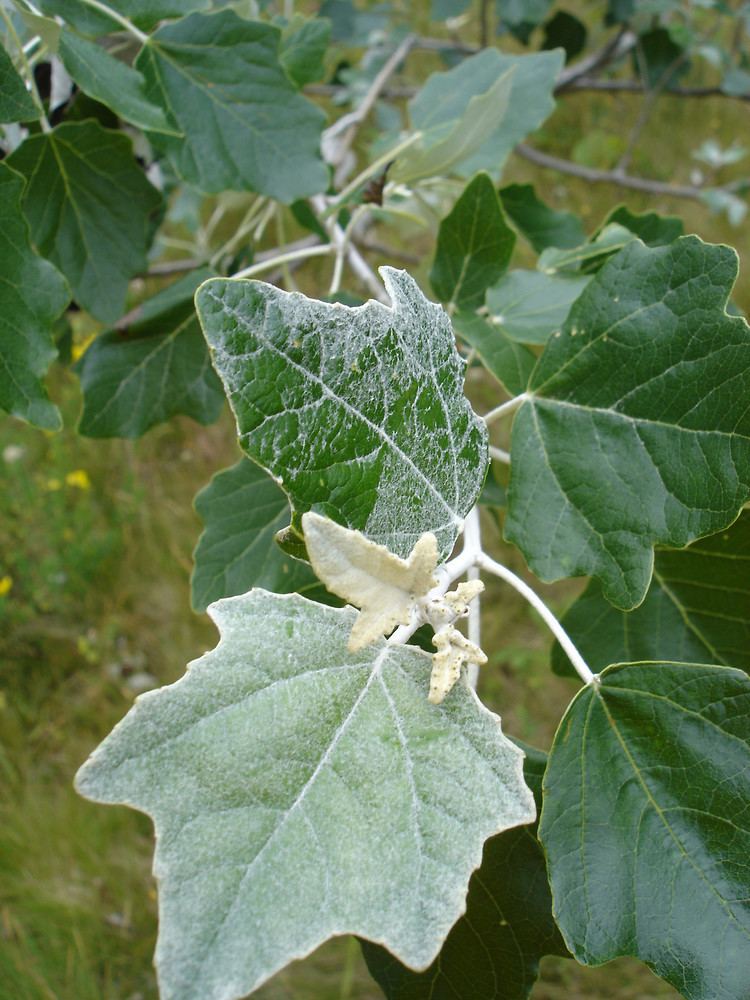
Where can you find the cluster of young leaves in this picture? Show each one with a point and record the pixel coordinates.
(300, 789)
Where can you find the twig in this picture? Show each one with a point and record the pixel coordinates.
(615, 49)
(320, 250)
(167, 267)
(500, 454)
(608, 176)
(504, 408)
(354, 258)
(635, 87)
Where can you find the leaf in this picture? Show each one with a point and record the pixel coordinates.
(509, 362)
(32, 295)
(444, 99)
(88, 205)
(493, 951)
(542, 226)
(443, 148)
(304, 42)
(301, 791)
(146, 14)
(392, 456)
(590, 255)
(112, 82)
(16, 103)
(655, 230)
(221, 79)
(242, 509)
(474, 246)
(566, 31)
(645, 824)
(696, 609)
(637, 431)
(663, 59)
(158, 367)
(365, 574)
(529, 305)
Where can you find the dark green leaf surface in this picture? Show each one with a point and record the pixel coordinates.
(242, 509)
(510, 363)
(566, 31)
(655, 230)
(445, 97)
(474, 246)
(88, 204)
(697, 609)
(301, 791)
(393, 454)
(158, 367)
(542, 226)
(245, 126)
(637, 430)
(303, 47)
(146, 14)
(112, 82)
(646, 824)
(32, 295)
(16, 103)
(493, 951)
(529, 305)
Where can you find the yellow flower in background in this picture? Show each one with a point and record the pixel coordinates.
(78, 478)
(6, 583)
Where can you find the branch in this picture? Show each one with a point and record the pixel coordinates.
(608, 176)
(354, 258)
(634, 87)
(615, 49)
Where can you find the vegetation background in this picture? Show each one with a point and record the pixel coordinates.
(95, 559)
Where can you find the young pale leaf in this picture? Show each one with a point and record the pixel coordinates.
(154, 369)
(301, 791)
(655, 230)
(509, 362)
(88, 205)
(112, 82)
(542, 226)
(493, 951)
(445, 146)
(444, 101)
(242, 509)
(697, 609)
(392, 454)
(16, 103)
(590, 255)
(221, 78)
(367, 575)
(528, 306)
(637, 431)
(303, 47)
(32, 295)
(474, 246)
(646, 825)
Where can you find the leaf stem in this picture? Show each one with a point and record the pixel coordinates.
(121, 19)
(496, 568)
(505, 408)
(373, 168)
(500, 454)
(319, 250)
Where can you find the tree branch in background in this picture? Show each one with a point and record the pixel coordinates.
(635, 87)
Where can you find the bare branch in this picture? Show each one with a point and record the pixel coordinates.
(634, 87)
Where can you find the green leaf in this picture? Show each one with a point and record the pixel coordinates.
(655, 230)
(112, 82)
(303, 47)
(300, 791)
(529, 305)
(159, 366)
(637, 430)
(493, 951)
(645, 824)
(444, 100)
(509, 362)
(245, 126)
(146, 14)
(663, 59)
(16, 103)
(242, 509)
(566, 31)
(696, 610)
(443, 147)
(474, 246)
(542, 226)
(590, 255)
(88, 204)
(32, 295)
(393, 455)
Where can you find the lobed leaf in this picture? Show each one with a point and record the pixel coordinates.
(358, 412)
(300, 791)
(528, 306)
(510, 363)
(33, 293)
(542, 226)
(646, 824)
(304, 42)
(636, 432)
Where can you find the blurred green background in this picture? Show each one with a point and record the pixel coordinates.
(95, 558)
